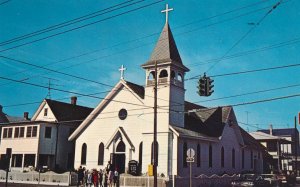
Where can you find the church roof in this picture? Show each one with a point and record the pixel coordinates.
(165, 50)
(139, 90)
(189, 133)
(66, 111)
(209, 121)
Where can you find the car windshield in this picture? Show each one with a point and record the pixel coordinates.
(248, 177)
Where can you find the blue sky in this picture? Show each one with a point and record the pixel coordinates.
(130, 38)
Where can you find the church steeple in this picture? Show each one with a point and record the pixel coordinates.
(165, 50)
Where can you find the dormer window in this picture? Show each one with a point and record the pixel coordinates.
(45, 111)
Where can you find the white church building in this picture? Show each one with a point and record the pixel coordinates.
(120, 128)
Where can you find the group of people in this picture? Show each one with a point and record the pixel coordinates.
(108, 177)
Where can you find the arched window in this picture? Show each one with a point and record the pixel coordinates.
(251, 159)
(101, 154)
(233, 158)
(163, 73)
(243, 158)
(151, 75)
(184, 154)
(152, 153)
(210, 163)
(83, 154)
(173, 75)
(121, 147)
(198, 156)
(222, 157)
(180, 77)
(141, 156)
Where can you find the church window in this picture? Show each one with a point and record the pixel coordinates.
(152, 153)
(210, 163)
(243, 158)
(123, 114)
(251, 159)
(151, 75)
(222, 157)
(121, 147)
(233, 158)
(83, 154)
(180, 77)
(184, 154)
(163, 74)
(173, 75)
(198, 156)
(101, 154)
(141, 155)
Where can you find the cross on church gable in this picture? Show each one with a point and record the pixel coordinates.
(122, 70)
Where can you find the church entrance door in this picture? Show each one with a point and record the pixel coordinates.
(119, 162)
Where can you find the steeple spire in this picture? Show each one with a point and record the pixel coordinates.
(165, 50)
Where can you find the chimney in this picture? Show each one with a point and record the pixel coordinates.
(73, 100)
(271, 129)
(26, 115)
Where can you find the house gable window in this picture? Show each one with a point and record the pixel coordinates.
(48, 131)
(45, 111)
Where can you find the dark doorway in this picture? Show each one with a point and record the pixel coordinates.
(118, 162)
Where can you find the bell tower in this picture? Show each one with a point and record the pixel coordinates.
(170, 81)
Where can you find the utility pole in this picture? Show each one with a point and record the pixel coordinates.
(155, 129)
(296, 146)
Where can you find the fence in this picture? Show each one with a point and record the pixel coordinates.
(33, 177)
(204, 181)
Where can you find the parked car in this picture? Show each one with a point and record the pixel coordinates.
(250, 180)
(287, 180)
(273, 179)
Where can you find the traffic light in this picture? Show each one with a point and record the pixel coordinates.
(209, 86)
(202, 86)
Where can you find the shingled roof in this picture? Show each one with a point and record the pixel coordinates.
(139, 90)
(209, 121)
(165, 50)
(66, 111)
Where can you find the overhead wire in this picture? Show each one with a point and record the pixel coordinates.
(82, 26)
(245, 35)
(70, 22)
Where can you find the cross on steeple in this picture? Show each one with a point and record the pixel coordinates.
(122, 69)
(167, 10)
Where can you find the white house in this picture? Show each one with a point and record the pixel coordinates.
(120, 128)
(43, 140)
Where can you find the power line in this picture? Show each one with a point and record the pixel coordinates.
(82, 26)
(87, 53)
(250, 71)
(69, 22)
(4, 2)
(250, 93)
(245, 35)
